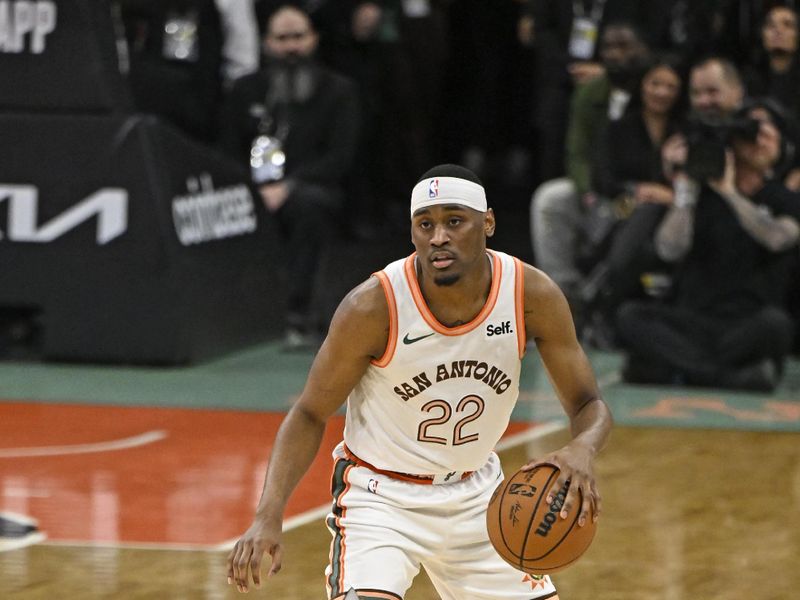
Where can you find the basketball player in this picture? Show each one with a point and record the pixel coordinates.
(427, 354)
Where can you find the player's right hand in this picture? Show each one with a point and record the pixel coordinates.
(244, 561)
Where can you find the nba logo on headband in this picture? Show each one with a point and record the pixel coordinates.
(448, 190)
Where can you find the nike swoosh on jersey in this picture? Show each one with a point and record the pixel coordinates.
(408, 340)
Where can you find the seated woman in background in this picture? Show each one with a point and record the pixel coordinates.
(628, 171)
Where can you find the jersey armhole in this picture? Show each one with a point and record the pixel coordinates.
(391, 343)
(519, 305)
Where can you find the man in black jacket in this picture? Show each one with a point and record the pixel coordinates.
(296, 123)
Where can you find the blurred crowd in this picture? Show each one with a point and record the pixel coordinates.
(656, 139)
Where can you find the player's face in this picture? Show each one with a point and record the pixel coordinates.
(450, 240)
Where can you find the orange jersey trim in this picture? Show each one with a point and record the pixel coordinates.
(428, 316)
(519, 304)
(391, 343)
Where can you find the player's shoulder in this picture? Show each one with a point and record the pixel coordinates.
(362, 321)
(537, 282)
(365, 301)
(539, 289)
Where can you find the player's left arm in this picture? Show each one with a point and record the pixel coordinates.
(548, 322)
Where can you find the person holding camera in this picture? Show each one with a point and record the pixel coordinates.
(296, 124)
(729, 234)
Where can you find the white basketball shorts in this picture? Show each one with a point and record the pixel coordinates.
(384, 529)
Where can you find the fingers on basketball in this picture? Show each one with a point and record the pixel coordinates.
(276, 552)
(597, 503)
(241, 564)
(528, 533)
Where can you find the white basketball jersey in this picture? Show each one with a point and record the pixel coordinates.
(440, 397)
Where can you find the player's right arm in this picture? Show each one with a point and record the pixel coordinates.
(358, 334)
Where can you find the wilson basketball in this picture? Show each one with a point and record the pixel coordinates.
(528, 533)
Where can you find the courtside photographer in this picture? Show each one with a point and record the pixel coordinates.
(729, 230)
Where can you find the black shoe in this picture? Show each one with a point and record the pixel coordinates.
(757, 377)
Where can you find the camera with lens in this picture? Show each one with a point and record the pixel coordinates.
(707, 139)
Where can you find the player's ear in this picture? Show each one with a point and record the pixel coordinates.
(489, 223)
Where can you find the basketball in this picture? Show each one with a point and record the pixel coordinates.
(528, 533)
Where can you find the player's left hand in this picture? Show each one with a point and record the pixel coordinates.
(575, 463)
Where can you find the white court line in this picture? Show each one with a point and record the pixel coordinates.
(125, 443)
(306, 517)
(529, 435)
(19, 518)
(18, 543)
(117, 545)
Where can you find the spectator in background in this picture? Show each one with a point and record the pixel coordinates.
(689, 28)
(395, 51)
(297, 111)
(482, 115)
(716, 92)
(775, 70)
(176, 57)
(565, 35)
(727, 327)
(628, 171)
(561, 208)
(715, 89)
(736, 26)
(240, 50)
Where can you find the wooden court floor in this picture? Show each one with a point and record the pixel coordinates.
(688, 513)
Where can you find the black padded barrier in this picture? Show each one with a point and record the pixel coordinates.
(121, 240)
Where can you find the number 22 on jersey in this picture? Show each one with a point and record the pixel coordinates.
(469, 409)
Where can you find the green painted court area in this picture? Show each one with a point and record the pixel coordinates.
(264, 378)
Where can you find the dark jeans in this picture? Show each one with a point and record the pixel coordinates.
(700, 349)
(308, 223)
(632, 253)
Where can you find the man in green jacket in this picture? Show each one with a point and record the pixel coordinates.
(558, 205)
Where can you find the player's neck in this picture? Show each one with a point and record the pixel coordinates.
(459, 303)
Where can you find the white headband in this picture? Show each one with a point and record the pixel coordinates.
(448, 190)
